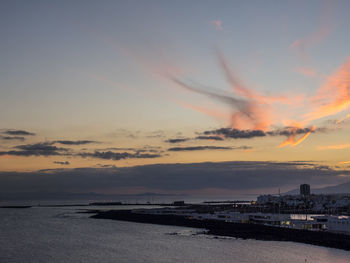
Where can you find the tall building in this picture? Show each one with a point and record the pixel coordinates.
(304, 189)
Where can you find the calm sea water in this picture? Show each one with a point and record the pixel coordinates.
(61, 235)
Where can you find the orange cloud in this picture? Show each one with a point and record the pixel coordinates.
(346, 162)
(334, 96)
(342, 119)
(335, 147)
(293, 141)
(5, 156)
(251, 110)
(242, 89)
(209, 112)
(247, 114)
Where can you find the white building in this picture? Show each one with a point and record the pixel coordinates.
(340, 224)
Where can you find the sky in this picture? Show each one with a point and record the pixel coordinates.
(151, 95)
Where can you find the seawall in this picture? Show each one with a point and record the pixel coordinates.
(238, 230)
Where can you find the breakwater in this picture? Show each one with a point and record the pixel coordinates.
(238, 230)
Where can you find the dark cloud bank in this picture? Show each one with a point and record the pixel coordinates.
(201, 137)
(62, 163)
(177, 140)
(12, 138)
(36, 149)
(108, 155)
(173, 177)
(50, 149)
(80, 142)
(248, 134)
(18, 132)
(202, 148)
(213, 138)
(236, 134)
(228, 133)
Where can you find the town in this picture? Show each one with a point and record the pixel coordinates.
(305, 211)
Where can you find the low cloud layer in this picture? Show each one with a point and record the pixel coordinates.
(239, 176)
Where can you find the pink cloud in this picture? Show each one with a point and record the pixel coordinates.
(218, 24)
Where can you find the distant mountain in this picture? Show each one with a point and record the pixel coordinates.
(336, 189)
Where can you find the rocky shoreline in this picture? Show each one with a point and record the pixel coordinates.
(237, 230)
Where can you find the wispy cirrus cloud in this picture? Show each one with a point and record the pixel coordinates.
(207, 111)
(333, 97)
(250, 110)
(343, 119)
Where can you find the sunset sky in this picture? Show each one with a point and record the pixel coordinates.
(188, 91)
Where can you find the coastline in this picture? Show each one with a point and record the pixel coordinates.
(237, 230)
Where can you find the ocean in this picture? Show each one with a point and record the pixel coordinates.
(52, 234)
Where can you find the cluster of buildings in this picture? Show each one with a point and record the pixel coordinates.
(334, 222)
(320, 203)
